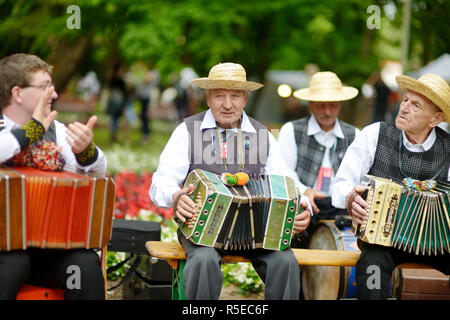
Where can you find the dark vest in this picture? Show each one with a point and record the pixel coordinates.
(204, 148)
(49, 135)
(310, 153)
(416, 165)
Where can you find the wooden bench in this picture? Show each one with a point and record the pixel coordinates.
(174, 254)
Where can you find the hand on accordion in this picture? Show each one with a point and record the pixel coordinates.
(302, 220)
(183, 206)
(356, 205)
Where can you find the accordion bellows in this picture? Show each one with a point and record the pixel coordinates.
(258, 215)
(54, 209)
(414, 221)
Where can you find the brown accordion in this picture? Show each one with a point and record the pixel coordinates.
(54, 209)
(404, 218)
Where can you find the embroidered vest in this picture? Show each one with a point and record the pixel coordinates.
(49, 135)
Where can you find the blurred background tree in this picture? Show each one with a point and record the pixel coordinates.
(260, 34)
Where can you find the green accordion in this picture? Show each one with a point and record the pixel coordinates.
(258, 215)
(404, 218)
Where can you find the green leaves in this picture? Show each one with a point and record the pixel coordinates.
(260, 34)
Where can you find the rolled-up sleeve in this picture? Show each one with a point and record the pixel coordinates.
(172, 168)
(286, 142)
(356, 163)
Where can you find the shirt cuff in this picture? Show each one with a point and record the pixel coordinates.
(88, 156)
(26, 135)
(306, 199)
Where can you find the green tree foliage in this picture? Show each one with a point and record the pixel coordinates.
(260, 34)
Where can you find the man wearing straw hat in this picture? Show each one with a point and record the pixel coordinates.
(206, 141)
(314, 146)
(414, 147)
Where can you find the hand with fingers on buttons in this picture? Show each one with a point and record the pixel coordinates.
(356, 205)
(80, 135)
(302, 220)
(183, 205)
(42, 112)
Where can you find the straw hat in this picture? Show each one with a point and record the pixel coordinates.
(326, 86)
(227, 76)
(431, 86)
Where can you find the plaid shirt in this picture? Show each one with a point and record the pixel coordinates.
(311, 153)
(416, 165)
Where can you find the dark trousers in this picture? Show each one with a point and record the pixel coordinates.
(376, 263)
(77, 272)
(144, 116)
(203, 278)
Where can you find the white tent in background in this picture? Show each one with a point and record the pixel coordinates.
(439, 66)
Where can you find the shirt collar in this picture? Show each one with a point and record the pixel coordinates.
(314, 128)
(421, 147)
(209, 122)
(9, 124)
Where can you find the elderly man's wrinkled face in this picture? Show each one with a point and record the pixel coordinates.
(417, 114)
(226, 106)
(325, 113)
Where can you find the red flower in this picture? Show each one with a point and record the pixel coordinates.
(132, 196)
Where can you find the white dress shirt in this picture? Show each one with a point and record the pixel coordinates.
(9, 147)
(174, 161)
(359, 159)
(286, 140)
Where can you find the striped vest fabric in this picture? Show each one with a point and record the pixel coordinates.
(204, 148)
(310, 153)
(416, 165)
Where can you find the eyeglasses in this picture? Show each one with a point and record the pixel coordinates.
(42, 86)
